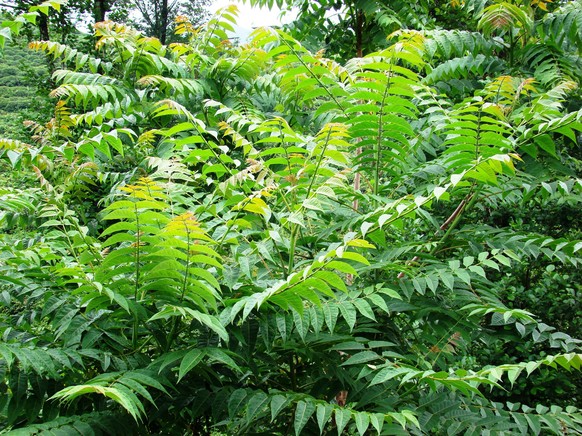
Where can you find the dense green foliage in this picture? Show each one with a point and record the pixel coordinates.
(257, 239)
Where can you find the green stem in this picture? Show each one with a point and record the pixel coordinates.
(172, 334)
(233, 221)
(185, 282)
(176, 322)
(319, 160)
(137, 253)
(295, 228)
(511, 47)
(137, 273)
(292, 244)
(379, 140)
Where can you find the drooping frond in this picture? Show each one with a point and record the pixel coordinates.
(380, 115)
(71, 56)
(551, 66)
(79, 78)
(466, 67)
(449, 44)
(172, 87)
(89, 95)
(108, 110)
(478, 143)
(564, 26)
(120, 387)
(506, 91)
(97, 423)
(503, 17)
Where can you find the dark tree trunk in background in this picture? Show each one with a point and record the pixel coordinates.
(164, 21)
(100, 9)
(359, 32)
(43, 27)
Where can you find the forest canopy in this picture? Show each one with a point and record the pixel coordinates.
(370, 227)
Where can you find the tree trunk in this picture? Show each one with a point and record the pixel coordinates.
(100, 8)
(164, 21)
(43, 27)
(359, 33)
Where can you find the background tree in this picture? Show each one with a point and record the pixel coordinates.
(357, 27)
(22, 6)
(157, 16)
(100, 9)
(60, 21)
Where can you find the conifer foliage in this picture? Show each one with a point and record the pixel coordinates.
(256, 238)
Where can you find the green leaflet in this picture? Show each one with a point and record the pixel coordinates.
(303, 412)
